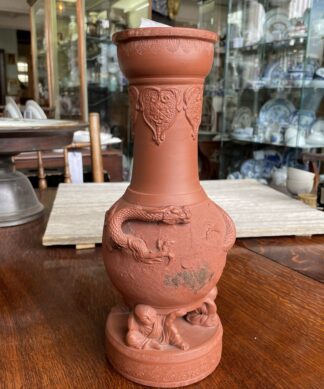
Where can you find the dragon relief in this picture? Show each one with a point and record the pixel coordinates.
(137, 246)
(160, 108)
(192, 107)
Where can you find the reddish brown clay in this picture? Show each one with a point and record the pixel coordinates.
(165, 241)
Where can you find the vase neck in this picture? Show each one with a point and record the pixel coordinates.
(166, 120)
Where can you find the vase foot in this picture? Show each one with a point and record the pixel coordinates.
(171, 366)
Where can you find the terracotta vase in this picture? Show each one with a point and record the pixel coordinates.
(165, 242)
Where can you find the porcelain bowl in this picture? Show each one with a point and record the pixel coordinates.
(299, 174)
(299, 181)
(296, 187)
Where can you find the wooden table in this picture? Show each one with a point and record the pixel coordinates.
(54, 303)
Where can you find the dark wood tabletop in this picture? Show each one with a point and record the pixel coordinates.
(54, 303)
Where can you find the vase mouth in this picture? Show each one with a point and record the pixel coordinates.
(164, 32)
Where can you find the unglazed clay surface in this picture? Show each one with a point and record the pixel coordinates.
(165, 242)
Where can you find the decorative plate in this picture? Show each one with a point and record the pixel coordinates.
(274, 74)
(241, 136)
(33, 111)
(303, 118)
(84, 137)
(248, 167)
(276, 25)
(277, 110)
(320, 72)
(11, 109)
(252, 168)
(242, 118)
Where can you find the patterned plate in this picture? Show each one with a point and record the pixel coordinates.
(242, 118)
(277, 110)
(276, 25)
(274, 74)
(303, 118)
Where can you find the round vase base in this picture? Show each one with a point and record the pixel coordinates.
(170, 367)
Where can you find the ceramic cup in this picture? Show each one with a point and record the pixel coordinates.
(315, 139)
(293, 138)
(299, 181)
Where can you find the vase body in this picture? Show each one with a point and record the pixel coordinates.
(165, 242)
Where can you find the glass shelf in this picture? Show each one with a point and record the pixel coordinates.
(287, 88)
(289, 43)
(251, 140)
(99, 39)
(63, 46)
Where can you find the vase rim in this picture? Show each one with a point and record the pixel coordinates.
(165, 32)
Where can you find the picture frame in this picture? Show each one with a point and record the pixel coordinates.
(11, 59)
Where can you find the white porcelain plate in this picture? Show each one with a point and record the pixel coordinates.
(276, 25)
(33, 111)
(11, 109)
(84, 137)
(242, 118)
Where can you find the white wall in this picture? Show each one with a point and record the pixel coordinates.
(19, 6)
(188, 12)
(14, 14)
(14, 21)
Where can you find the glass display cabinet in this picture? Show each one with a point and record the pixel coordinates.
(75, 63)
(56, 57)
(76, 69)
(39, 56)
(68, 55)
(274, 83)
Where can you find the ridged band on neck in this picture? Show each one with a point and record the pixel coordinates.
(156, 199)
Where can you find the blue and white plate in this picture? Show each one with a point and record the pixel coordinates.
(274, 74)
(303, 118)
(278, 110)
(251, 168)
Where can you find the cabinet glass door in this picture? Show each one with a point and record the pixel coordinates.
(312, 111)
(107, 87)
(39, 44)
(268, 70)
(67, 39)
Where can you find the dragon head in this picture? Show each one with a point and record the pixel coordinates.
(176, 215)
